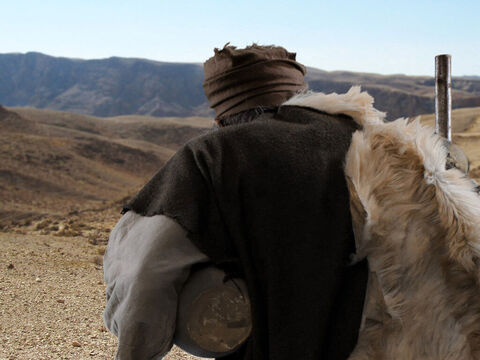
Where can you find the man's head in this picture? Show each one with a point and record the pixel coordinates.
(241, 81)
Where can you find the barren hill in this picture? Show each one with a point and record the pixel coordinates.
(55, 163)
(119, 86)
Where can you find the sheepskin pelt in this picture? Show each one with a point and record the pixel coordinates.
(418, 224)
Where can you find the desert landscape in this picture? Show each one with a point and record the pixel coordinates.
(97, 96)
(63, 180)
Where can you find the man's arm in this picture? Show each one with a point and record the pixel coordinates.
(147, 261)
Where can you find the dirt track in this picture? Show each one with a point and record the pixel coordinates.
(52, 298)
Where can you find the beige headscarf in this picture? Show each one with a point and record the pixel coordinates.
(242, 79)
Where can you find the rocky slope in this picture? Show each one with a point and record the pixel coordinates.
(56, 163)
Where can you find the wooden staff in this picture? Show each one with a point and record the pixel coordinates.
(443, 96)
(443, 112)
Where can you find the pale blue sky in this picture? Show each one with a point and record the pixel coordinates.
(386, 37)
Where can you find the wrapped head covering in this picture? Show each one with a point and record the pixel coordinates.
(242, 79)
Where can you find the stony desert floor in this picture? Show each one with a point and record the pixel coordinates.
(52, 298)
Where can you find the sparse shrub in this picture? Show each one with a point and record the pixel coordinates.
(43, 224)
(67, 231)
(98, 260)
(79, 226)
(26, 222)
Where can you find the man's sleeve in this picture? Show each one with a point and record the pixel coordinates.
(185, 190)
(147, 261)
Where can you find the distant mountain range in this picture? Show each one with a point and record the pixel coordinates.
(121, 86)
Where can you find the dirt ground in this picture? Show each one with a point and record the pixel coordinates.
(52, 298)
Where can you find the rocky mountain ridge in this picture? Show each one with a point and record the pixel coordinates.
(122, 86)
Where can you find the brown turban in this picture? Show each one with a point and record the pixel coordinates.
(242, 79)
